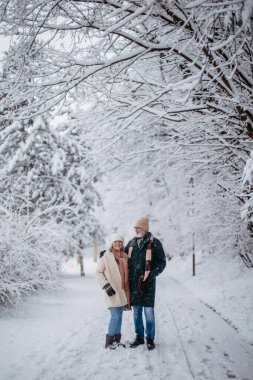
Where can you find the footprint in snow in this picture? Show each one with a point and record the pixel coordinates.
(231, 375)
(208, 348)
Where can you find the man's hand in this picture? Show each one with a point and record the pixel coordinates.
(141, 285)
(109, 290)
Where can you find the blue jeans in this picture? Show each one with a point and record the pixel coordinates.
(150, 321)
(115, 320)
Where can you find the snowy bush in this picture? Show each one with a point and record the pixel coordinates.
(247, 177)
(247, 184)
(30, 254)
(247, 214)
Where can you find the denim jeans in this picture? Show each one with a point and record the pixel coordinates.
(115, 320)
(150, 321)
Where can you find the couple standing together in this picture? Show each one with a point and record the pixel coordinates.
(128, 276)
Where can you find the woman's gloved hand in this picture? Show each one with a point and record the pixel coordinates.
(109, 290)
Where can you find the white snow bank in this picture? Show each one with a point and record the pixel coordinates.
(222, 283)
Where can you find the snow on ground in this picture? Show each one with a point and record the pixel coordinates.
(61, 337)
(223, 283)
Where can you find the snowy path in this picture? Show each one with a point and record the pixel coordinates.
(61, 338)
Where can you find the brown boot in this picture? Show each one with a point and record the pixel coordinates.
(150, 344)
(137, 342)
(109, 342)
(117, 338)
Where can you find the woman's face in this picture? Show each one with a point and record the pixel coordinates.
(117, 245)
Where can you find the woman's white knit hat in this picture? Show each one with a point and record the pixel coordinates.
(116, 237)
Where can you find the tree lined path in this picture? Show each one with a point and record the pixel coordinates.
(114, 108)
(54, 337)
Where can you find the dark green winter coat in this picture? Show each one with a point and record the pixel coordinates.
(136, 266)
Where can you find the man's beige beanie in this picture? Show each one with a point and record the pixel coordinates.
(143, 223)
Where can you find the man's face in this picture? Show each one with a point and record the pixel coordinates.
(117, 245)
(139, 232)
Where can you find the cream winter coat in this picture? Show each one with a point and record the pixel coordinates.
(108, 271)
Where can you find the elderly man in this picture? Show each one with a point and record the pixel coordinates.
(146, 260)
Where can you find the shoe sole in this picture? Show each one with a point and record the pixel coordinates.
(137, 345)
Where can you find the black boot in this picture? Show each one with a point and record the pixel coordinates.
(109, 342)
(117, 338)
(137, 342)
(150, 344)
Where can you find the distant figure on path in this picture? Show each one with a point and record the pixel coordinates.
(112, 275)
(146, 260)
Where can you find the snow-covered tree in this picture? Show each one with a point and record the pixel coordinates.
(47, 171)
(195, 44)
(172, 82)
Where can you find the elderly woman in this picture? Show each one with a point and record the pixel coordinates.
(112, 275)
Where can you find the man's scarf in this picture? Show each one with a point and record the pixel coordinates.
(146, 241)
(123, 268)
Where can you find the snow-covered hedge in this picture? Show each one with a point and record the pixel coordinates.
(247, 184)
(29, 256)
